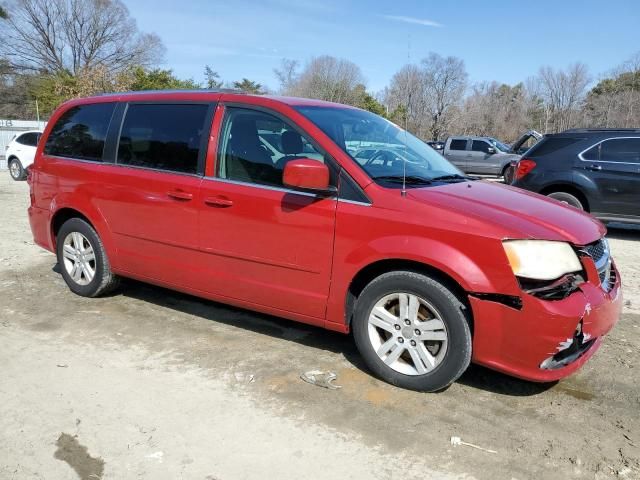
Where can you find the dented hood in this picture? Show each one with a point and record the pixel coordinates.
(515, 213)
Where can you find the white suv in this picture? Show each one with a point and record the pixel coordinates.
(20, 153)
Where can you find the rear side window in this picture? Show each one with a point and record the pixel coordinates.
(80, 132)
(480, 146)
(550, 145)
(164, 137)
(624, 150)
(458, 145)
(28, 139)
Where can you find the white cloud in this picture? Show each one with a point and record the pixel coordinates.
(418, 21)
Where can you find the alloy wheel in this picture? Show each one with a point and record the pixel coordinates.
(79, 258)
(14, 169)
(408, 333)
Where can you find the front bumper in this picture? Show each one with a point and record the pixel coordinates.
(524, 342)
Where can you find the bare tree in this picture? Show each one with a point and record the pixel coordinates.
(55, 36)
(287, 74)
(445, 81)
(429, 94)
(406, 100)
(563, 92)
(327, 78)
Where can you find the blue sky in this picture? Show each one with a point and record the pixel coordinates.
(505, 41)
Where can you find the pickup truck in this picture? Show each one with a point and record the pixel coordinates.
(483, 155)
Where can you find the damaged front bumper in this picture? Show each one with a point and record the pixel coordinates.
(546, 340)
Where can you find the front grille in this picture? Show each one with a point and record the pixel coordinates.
(596, 250)
(599, 252)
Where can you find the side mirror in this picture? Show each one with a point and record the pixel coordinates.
(491, 150)
(307, 175)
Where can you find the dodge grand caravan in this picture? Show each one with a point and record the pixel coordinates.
(258, 202)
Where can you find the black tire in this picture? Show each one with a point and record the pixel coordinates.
(453, 314)
(15, 170)
(507, 174)
(103, 280)
(567, 198)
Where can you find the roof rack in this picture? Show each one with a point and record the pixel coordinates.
(186, 90)
(595, 130)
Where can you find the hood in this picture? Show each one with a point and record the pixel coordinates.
(509, 156)
(513, 212)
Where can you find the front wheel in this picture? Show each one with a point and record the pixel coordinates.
(412, 331)
(15, 169)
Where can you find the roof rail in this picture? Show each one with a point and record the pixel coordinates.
(192, 90)
(595, 130)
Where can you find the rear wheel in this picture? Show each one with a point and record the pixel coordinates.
(15, 169)
(83, 260)
(567, 198)
(412, 331)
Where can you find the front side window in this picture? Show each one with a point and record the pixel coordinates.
(80, 132)
(621, 150)
(480, 146)
(255, 147)
(458, 144)
(499, 145)
(399, 158)
(163, 137)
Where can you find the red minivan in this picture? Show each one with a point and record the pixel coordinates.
(328, 215)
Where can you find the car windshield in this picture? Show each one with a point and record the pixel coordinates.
(499, 145)
(391, 152)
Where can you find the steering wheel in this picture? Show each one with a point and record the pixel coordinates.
(382, 155)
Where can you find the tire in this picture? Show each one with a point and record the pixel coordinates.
(440, 328)
(567, 198)
(15, 170)
(79, 245)
(507, 174)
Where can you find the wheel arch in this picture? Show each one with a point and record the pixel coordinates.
(567, 187)
(61, 216)
(63, 211)
(373, 270)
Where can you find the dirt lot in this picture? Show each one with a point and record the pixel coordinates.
(153, 384)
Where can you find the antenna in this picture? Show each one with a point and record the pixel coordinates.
(403, 192)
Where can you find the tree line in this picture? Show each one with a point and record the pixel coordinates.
(53, 50)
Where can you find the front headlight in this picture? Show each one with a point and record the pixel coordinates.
(541, 259)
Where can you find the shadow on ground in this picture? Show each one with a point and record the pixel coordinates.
(623, 232)
(476, 376)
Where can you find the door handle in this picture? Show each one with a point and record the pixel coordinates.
(594, 168)
(219, 202)
(180, 195)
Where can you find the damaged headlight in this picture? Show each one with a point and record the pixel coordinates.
(541, 259)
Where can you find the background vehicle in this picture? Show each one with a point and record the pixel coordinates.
(597, 170)
(525, 142)
(261, 202)
(21, 152)
(437, 146)
(483, 155)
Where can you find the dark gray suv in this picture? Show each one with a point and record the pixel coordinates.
(597, 170)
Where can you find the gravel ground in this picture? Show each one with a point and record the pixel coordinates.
(150, 383)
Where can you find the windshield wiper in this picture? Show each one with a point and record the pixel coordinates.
(454, 176)
(409, 179)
